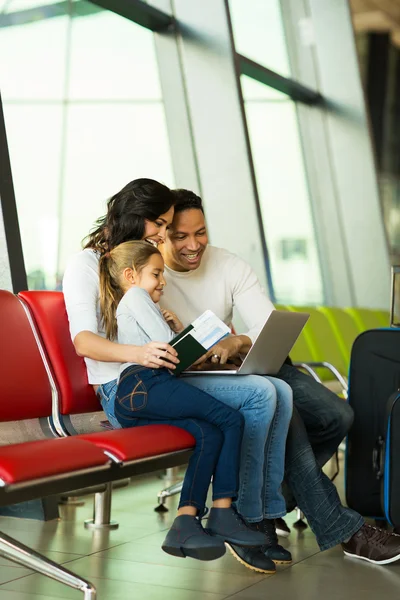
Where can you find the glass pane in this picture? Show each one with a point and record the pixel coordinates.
(284, 199)
(254, 90)
(259, 34)
(31, 71)
(9, 6)
(106, 148)
(34, 139)
(82, 120)
(112, 58)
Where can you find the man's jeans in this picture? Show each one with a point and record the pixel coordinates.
(266, 405)
(320, 422)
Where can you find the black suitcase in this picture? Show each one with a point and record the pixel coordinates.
(391, 455)
(372, 474)
(373, 383)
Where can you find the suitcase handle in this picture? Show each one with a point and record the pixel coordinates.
(395, 271)
(378, 459)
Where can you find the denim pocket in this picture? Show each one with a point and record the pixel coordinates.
(137, 398)
(106, 395)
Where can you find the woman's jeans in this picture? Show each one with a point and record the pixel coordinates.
(266, 405)
(148, 396)
(319, 417)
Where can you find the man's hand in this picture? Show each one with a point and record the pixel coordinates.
(228, 348)
(172, 320)
(155, 355)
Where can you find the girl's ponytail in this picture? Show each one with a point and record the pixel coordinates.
(110, 295)
(111, 266)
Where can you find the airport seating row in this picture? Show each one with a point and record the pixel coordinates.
(328, 337)
(42, 378)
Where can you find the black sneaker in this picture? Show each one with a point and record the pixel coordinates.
(373, 545)
(271, 548)
(228, 525)
(188, 538)
(253, 559)
(282, 528)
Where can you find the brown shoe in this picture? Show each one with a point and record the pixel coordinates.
(373, 545)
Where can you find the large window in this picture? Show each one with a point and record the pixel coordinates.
(276, 150)
(84, 115)
(259, 33)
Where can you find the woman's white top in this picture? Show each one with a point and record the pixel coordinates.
(81, 294)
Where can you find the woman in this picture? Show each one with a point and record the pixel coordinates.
(143, 210)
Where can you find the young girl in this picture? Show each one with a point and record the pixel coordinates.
(131, 285)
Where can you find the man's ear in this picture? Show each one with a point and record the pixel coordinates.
(130, 275)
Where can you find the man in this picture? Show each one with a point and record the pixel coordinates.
(201, 277)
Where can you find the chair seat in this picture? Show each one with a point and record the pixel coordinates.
(46, 458)
(141, 442)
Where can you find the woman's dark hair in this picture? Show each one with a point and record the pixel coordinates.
(126, 213)
(185, 200)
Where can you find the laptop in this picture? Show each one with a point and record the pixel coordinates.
(270, 348)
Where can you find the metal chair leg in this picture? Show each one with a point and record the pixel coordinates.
(102, 511)
(71, 501)
(176, 488)
(26, 557)
(300, 523)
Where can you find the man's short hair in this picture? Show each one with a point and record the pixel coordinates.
(185, 200)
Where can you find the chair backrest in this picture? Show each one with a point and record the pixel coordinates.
(384, 317)
(322, 341)
(69, 370)
(364, 318)
(301, 351)
(344, 328)
(25, 387)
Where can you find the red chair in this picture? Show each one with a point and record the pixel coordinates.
(41, 468)
(72, 394)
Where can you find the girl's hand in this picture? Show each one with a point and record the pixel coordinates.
(155, 355)
(172, 320)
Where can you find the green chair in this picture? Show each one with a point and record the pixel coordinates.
(364, 318)
(323, 346)
(384, 317)
(301, 351)
(344, 328)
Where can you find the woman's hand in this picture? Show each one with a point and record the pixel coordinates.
(155, 355)
(172, 320)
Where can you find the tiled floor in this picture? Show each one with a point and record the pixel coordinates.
(129, 563)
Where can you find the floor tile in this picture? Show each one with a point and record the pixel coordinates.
(58, 557)
(70, 536)
(166, 576)
(35, 587)
(9, 595)
(329, 575)
(10, 570)
(140, 553)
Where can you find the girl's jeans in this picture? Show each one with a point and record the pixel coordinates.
(147, 396)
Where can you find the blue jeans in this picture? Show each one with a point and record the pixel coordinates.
(148, 396)
(318, 416)
(266, 405)
(320, 422)
(106, 394)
